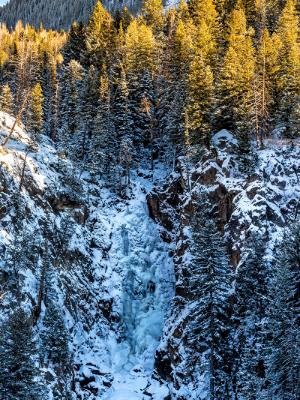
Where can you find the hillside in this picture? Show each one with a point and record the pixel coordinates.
(56, 14)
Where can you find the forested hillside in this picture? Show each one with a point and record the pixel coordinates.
(57, 14)
(149, 217)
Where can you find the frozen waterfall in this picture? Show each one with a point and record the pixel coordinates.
(143, 260)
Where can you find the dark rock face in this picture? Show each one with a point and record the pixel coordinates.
(164, 204)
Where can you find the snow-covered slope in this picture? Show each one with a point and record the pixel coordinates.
(113, 273)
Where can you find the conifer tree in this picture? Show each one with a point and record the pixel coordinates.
(35, 118)
(121, 113)
(235, 95)
(283, 321)
(289, 67)
(140, 47)
(105, 145)
(54, 336)
(210, 286)
(200, 100)
(6, 99)
(75, 46)
(70, 86)
(122, 18)
(183, 11)
(173, 101)
(99, 37)
(264, 87)
(206, 11)
(140, 67)
(250, 310)
(18, 374)
(87, 109)
(152, 11)
(51, 93)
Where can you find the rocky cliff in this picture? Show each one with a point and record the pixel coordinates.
(263, 203)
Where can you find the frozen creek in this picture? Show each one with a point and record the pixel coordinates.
(140, 257)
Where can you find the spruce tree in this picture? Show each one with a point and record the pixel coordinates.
(289, 67)
(75, 46)
(87, 109)
(173, 101)
(235, 96)
(51, 94)
(206, 11)
(250, 311)
(6, 99)
(99, 37)
(54, 336)
(140, 67)
(121, 113)
(210, 287)
(105, 146)
(283, 321)
(70, 87)
(152, 11)
(35, 117)
(264, 87)
(19, 378)
(200, 101)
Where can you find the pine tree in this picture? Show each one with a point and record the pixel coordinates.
(75, 46)
(35, 117)
(87, 109)
(70, 86)
(126, 155)
(6, 99)
(173, 100)
(289, 67)
(235, 96)
(210, 286)
(250, 310)
(18, 374)
(283, 329)
(140, 67)
(200, 101)
(121, 113)
(153, 13)
(51, 93)
(54, 336)
(122, 18)
(264, 86)
(105, 145)
(140, 47)
(205, 11)
(201, 84)
(99, 38)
